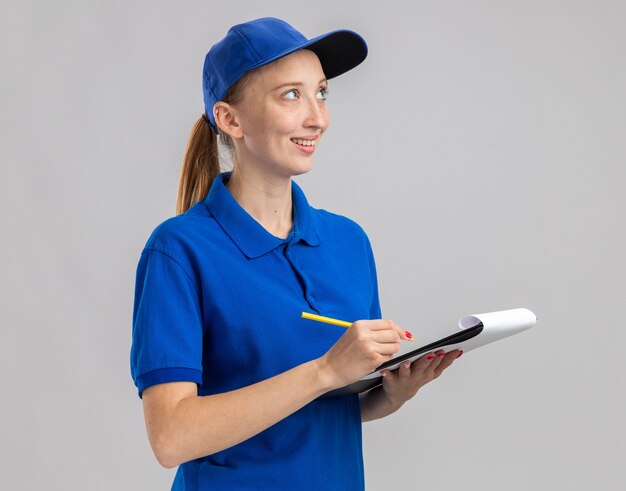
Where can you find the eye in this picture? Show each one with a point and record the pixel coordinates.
(323, 91)
(292, 91)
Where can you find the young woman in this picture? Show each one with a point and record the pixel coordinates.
(229, 373)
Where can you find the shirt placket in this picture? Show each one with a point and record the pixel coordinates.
(290, 252)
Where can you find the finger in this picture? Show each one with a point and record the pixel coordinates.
(376, 324)
(403, 333)
(404, 371)
(439, 355)
(386, 336)
(388, 324)
(423, 362)
(447, 361)
(450, 356)
(424, 368)
(387, 348)
(363, 330)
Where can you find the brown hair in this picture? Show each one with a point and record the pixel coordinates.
(201, 162)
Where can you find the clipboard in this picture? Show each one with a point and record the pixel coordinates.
(474, 331)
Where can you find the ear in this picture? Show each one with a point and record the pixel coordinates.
(226, 119)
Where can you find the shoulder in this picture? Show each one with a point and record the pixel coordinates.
(339, 225)
(179, 235)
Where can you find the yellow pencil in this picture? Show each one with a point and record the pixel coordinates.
(330, 320)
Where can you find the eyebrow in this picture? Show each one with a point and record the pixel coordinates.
(296, 83)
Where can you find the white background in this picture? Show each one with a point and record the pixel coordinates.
(481, 145)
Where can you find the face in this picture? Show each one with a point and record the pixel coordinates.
(282, 116)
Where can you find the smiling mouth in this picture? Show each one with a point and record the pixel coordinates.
(305, 143)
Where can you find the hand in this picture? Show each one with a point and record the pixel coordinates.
(366, 345)
(402, 384)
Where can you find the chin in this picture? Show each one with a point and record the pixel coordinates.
(302, 169)
(295, 167)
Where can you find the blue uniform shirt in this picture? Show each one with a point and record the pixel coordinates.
(218, 301)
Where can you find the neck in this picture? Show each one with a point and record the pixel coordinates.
(267, 199)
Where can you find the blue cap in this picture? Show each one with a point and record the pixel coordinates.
(258, 42)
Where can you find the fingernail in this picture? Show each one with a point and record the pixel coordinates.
(442, 354)
(407, 364)
(460, 353)
(384, 374)
(408, 334)
(430, 357)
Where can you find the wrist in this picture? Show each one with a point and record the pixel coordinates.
(375, 404)
(325, 378)
(392, 403)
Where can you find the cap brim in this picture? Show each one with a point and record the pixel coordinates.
(338, 51)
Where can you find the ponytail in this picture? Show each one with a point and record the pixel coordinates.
(201, 165)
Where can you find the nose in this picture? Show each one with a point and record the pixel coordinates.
(317, 114)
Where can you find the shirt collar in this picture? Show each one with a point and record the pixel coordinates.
(248, 234)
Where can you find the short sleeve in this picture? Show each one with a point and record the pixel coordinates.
(375, 312)
(167, 323)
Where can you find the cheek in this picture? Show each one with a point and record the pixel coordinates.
(280, 127)
(283, 121)
(271, 137)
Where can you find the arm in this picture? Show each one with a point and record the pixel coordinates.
(183, 426)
